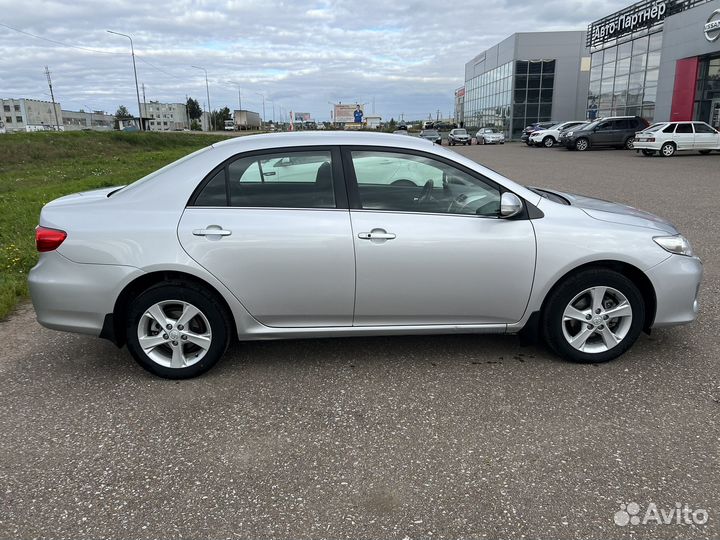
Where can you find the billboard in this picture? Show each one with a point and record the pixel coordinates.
(345, 113)
(302, 117)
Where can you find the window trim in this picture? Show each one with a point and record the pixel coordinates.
(529, 210)
(341, 197)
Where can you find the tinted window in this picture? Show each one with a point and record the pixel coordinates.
(703, 128)
(409, 183)
(282, 180)
(621, 124)
(669, 129)
(604, 126)
(684, 128)
(214, 193)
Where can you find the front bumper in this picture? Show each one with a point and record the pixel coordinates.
(75, 297)
(676, 281)
(459, 141)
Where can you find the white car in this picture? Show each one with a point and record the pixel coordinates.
(666, 138)
(549, 137)
(489, 136)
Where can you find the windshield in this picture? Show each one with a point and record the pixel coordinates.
(430, 132)
(591, 125)
(460, 132)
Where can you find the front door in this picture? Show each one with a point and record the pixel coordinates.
(429, 246)
(706, 138)
(275, 229)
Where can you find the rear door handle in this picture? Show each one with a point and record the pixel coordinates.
(211, 232)
(376, 234)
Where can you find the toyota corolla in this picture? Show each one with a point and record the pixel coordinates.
(344, 234)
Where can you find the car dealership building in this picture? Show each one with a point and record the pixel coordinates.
(656, 59)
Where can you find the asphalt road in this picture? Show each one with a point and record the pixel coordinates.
(417, 437)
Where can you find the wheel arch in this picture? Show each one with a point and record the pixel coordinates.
(114, 325)
(637, 276)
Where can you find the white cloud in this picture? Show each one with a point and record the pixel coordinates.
(407, 56)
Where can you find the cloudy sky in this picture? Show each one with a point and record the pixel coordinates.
(408, 56)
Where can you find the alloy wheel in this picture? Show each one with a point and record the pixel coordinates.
(548, 142)
(630, 143)
(174, 334)
(597, 319)
(581, 144)
(668, 149)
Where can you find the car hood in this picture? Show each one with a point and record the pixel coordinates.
(616, 212)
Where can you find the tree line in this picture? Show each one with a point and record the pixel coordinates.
(195, 112)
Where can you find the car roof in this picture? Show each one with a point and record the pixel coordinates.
(316, 138)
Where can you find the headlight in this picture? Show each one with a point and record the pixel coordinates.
(677, 244)
(569, 134)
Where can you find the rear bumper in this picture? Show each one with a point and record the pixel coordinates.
(645, 145)
(75, 297)
(676, 281)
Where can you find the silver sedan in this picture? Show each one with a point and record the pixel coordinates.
(341, 234)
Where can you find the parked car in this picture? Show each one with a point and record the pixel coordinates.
(614, 131)
(535, 126)
(458, 136)
(489, 136)
(401, 132)
(358, 241)
(431, 135)
(666, 138)
(549, 137)
(562, 137)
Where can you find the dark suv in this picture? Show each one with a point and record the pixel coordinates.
(615, 131)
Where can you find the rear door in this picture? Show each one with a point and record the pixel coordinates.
(275, 229)
(706, 138)
(684, 136)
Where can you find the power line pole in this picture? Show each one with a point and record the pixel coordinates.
(52, 97)
(144, 100)
(137, 90)
(207, 90)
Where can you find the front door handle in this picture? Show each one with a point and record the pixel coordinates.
(376, 234)
(211, 232)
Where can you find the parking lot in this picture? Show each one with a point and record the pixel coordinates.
(418, 437)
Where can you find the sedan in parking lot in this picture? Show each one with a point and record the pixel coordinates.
(666, 138)
(431, 135)
(550, 137)
(317, 234)
(536, 126)
(458, 136)
(489, 136)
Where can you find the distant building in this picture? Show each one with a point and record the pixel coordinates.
(95, 120)
(460, 106)
(165, 116)
(372, 121)
(30, 115)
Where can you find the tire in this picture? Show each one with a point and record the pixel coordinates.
(582, 144)
(705, 152)
(548, 142)
(648, 152)
(199, 343)
(596, 344)
(667, 149)
(529, 143)
(629, 143)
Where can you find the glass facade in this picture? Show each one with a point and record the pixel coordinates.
(707, 95)
(624, 76)
(510, 96)
(488, 98)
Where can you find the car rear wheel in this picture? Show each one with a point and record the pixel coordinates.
(648, 152)
(629, 143)
(177, 330)
(548, 142)
(594, 316)
(667, 149)
(582, 144)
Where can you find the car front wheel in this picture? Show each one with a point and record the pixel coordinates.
(594, 316)
(177, 330)
(548, 142)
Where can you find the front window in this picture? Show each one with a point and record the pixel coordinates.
(410, 183)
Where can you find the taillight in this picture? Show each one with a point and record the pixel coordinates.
(48, 239)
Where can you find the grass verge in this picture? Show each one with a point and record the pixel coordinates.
(36, 168)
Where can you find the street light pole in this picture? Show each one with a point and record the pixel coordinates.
(137, 89)
(207, 90)
(263, 96)
(91, 113)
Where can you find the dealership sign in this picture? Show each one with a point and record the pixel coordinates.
(640, 15)
(712, 26)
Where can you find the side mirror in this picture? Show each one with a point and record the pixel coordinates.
(510, 205)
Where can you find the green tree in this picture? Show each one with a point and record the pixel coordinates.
(218, 119)
(194, 110)
(122, 113)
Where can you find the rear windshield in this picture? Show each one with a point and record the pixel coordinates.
(656, 127)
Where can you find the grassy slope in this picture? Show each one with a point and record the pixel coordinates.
(38, 167)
